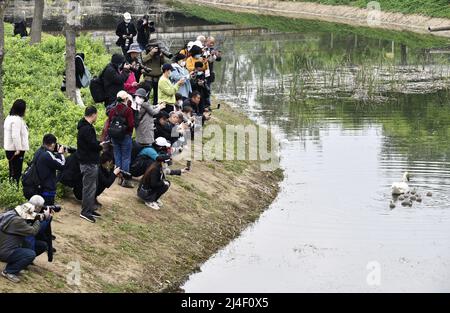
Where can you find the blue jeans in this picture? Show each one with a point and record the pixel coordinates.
(122, 152)
(19, 259)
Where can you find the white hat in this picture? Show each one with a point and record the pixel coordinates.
(198, 43)
(127, 16)
(189, 45)
(37, 201)
(162, 142)
(124, 95)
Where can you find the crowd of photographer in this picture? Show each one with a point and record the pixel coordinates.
(155, 102)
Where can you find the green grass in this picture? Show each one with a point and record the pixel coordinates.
(434, 8)
(285, 24)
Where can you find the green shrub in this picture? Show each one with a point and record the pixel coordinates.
(34, 73)
(10, 195)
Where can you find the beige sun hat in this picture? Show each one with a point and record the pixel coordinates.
(26, 211)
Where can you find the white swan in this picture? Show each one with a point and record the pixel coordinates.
(401, 187)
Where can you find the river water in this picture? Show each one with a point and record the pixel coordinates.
(352, 113)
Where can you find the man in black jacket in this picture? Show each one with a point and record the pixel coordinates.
(125, 31)
(88, 152)
(144, 28)
(49, 159)
(114, 77)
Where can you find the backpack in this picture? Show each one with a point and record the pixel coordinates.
(118, 125)
(85, 79)
(97, 88)
(30, 179)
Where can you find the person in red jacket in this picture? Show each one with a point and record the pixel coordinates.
(121, 113)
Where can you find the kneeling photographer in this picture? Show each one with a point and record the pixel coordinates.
(154, 184)
(16, 226)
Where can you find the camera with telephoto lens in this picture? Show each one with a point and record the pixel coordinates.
(161, 50)
(151, 24)
(54, 208)
(143, 69)
(139, 67)
(67, 149)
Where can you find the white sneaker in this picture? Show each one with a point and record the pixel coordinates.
(152, 205)
(160, 203)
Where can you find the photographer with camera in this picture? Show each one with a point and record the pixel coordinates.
(120, 129)
(199, 84)
(47, 160)
(153, 58)
(15, 225)
(167, 90)
(197, 106)
(145, 122)
(154, 184)
(125, 31)
(196, 55)
(131, 84)
(114, 77)
(212, 55)
(144, 29)
(179, 71)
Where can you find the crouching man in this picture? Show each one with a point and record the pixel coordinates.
(15, 226)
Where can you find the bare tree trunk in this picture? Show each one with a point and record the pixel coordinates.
(3, 5)
(36, 26)
(70, 62)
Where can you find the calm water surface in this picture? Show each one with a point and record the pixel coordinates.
(352, 114)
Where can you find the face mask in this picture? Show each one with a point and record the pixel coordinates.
(180, 103)
(199, 73)
(139, 100)
(182, 63)
(197, 56)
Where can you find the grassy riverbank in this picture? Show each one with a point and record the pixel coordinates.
(132, 248)
(287, 24)
(433, 8)
(135, 249)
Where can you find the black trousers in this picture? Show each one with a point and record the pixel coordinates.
(15, 164)
(152, 85)
(152, 195)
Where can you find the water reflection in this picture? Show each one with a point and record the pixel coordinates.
(340, 153)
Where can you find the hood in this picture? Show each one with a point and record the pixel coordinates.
(117, 59)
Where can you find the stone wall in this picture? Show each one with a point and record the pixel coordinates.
(95, 13)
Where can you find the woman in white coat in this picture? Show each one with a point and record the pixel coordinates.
(16, 139)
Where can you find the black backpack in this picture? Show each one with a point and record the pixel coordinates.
(97, 88)
(118, 125)
(30, 179)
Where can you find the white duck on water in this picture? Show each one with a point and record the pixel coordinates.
(401, 187)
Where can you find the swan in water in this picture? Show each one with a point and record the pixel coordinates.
(401, 187)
